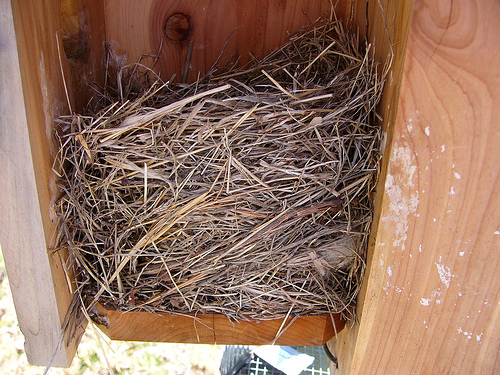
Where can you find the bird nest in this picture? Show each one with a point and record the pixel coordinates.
(246, 193)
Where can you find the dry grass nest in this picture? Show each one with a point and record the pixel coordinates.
(246, 193)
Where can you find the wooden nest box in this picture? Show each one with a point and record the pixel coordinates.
(429, 302)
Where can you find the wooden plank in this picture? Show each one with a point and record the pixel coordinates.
(21, 222)
(431, 304)
(215, 329)
(36, 95)
(386, 24)
(134, 28)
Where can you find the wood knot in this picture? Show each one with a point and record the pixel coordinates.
(177, 27)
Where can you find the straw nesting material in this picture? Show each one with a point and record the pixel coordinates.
(246, 193)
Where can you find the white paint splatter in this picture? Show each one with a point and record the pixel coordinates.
(420, 248)
(381, 263)
(452, 191)
(434, 219)
(444, 274)
(403, 155)
(389, 271)
(478, 337)
(428, 131)
(497, 232)
(462, 253)
(443, 148)
(401, 203)
(468, 334)
(435, 293)
(457, 176)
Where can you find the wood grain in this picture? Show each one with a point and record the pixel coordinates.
(430, 300)
(36, 95)
(39, 298)
(82, 33)
(431, 304)
(385, 24)
(135, 28)
(216, 329)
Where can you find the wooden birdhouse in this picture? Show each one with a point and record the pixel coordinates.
(429, 298)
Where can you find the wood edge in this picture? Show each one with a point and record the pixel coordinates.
(388, 109)
(37, 67)
(313, 330)
(344, 344)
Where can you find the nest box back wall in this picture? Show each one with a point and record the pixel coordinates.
(207, 30)
(188, 37)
